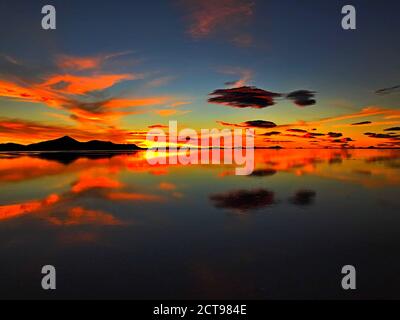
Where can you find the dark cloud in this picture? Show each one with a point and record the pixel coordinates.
(259, 124)
(253, 97)
(297, 130)
(244, 97)
(314, 134)
(342, 140)
(306, 135)
(277, 141)
(392, 129)
(243, 200)
(335, 160)
(382, 135)
(263, 173)
(271, 133)
(363, 172)
(335, 134)
(388, 90)
(302, 98)
(250, 124)
(361, 123)
(155, 126)
(303, 197)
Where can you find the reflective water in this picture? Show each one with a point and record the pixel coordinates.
(116, 227)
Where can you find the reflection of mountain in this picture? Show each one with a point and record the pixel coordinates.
(69, 144)
(70, 157)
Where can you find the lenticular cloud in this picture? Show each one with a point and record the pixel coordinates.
(253, 97)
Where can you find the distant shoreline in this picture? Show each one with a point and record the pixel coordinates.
(67, 144)
(167, 150)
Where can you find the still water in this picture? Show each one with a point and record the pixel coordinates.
(116, 227)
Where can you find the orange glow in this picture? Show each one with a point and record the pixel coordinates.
(81, 216)
(16, 210)
(133, 196)
(167, 186)
(166, 112)
(87, 182)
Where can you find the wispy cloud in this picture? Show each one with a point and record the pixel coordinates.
(361, 123)
(388, 90)
(78, 63)
(10, 59)
(208, 17)
(244, 75)
(250, 124)
(159, 82)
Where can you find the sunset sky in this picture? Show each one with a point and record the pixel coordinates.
(113, 69)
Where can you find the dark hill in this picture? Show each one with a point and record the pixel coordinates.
(69, 144)
(11, 147)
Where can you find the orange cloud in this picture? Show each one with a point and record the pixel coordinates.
(30, 94)
(85, 63)
(78, 95)
(78, 63)
(365, 112)
(170, 112)
(355, 134)
(92, 115)
(166, 112)
(21, 131)
(83, 84)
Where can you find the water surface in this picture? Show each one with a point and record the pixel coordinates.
(116, 227)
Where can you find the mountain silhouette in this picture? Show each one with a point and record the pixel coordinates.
(67, 143)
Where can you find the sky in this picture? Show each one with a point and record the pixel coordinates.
(114, 69)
